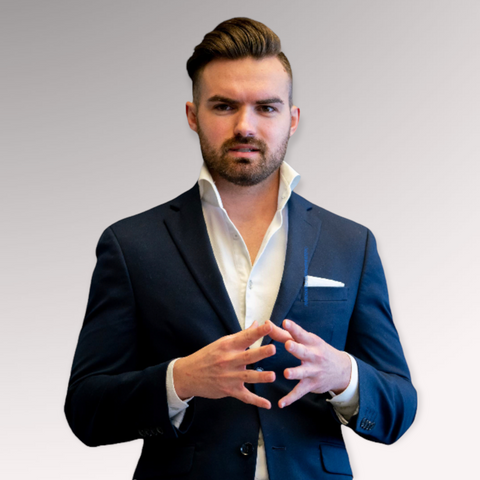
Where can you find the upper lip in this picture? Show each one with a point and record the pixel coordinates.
(244, 145)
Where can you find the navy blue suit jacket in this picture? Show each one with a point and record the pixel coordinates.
(157, 294)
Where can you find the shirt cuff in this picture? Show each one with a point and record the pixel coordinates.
(346, 404)
(176, 406)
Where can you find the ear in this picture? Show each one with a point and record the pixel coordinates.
(191, 111)
(295, 118)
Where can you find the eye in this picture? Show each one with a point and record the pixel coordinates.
(267, 109)
(223, 107)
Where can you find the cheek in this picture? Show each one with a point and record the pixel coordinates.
(276, 137)
(275, 133)
(217, 132)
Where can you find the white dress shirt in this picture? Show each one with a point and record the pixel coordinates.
(253, 288)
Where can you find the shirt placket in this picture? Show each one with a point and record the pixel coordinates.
(243, 269)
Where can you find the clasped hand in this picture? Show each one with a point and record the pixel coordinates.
(220, 369)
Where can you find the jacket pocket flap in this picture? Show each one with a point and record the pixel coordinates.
(166, 461)
(335, 459)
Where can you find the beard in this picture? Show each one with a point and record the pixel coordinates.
(245, 172)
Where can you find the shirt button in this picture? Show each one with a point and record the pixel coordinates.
(250, 284)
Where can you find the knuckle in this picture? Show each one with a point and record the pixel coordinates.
(311, 356)
(222, 363)
(229, 391)
(248, 333)
(224, 343)
(224, 390)
(319, 358)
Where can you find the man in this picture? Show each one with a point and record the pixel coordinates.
(237, 327)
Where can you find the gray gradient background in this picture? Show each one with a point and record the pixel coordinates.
(93, 130)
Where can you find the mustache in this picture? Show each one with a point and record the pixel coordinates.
(239, 140)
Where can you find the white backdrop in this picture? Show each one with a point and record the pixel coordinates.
(93, 130)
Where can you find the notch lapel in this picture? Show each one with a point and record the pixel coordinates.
(303, 232)
(187, 227)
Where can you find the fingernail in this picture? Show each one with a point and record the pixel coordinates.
(282, 404)
(288, 324)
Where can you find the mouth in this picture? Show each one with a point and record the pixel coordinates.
(243, 150)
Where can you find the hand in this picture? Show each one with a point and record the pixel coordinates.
(220, 369)
(323, 367)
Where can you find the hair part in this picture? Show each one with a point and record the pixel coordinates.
(232, 40)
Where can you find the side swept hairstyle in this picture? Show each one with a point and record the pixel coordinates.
(235, 39)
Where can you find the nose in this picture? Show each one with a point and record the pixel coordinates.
(245, 123)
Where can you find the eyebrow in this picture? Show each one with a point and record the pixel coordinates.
(230, 101)
(269, 100)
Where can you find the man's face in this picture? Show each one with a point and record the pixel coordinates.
(243, 118)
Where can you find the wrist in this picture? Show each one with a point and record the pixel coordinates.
(179, 383)
(345, 375)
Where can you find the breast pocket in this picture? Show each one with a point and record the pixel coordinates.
(324, 311)
(323, 294)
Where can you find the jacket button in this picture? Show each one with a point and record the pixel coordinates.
(259, 369)
(246, 449)
(159, 430)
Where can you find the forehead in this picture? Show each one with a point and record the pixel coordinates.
(245, 79)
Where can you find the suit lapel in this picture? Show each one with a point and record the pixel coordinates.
(187, 227)
(303, 232)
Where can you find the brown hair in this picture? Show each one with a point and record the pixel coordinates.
(234, 39)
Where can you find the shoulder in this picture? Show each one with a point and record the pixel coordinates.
(331, 223)
(152, 220)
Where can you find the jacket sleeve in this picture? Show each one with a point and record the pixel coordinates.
(388, 400)
(110, 399)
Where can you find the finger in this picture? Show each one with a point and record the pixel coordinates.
(279, 334)
(298, 350)
(254, 355)
(298, 333)
(253, 376)
(297, 373)
(243, 340)
(248, 397)
(301, 389)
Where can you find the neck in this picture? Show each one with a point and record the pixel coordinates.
(249, 203)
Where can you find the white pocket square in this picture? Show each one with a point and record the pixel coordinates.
(321, 282)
